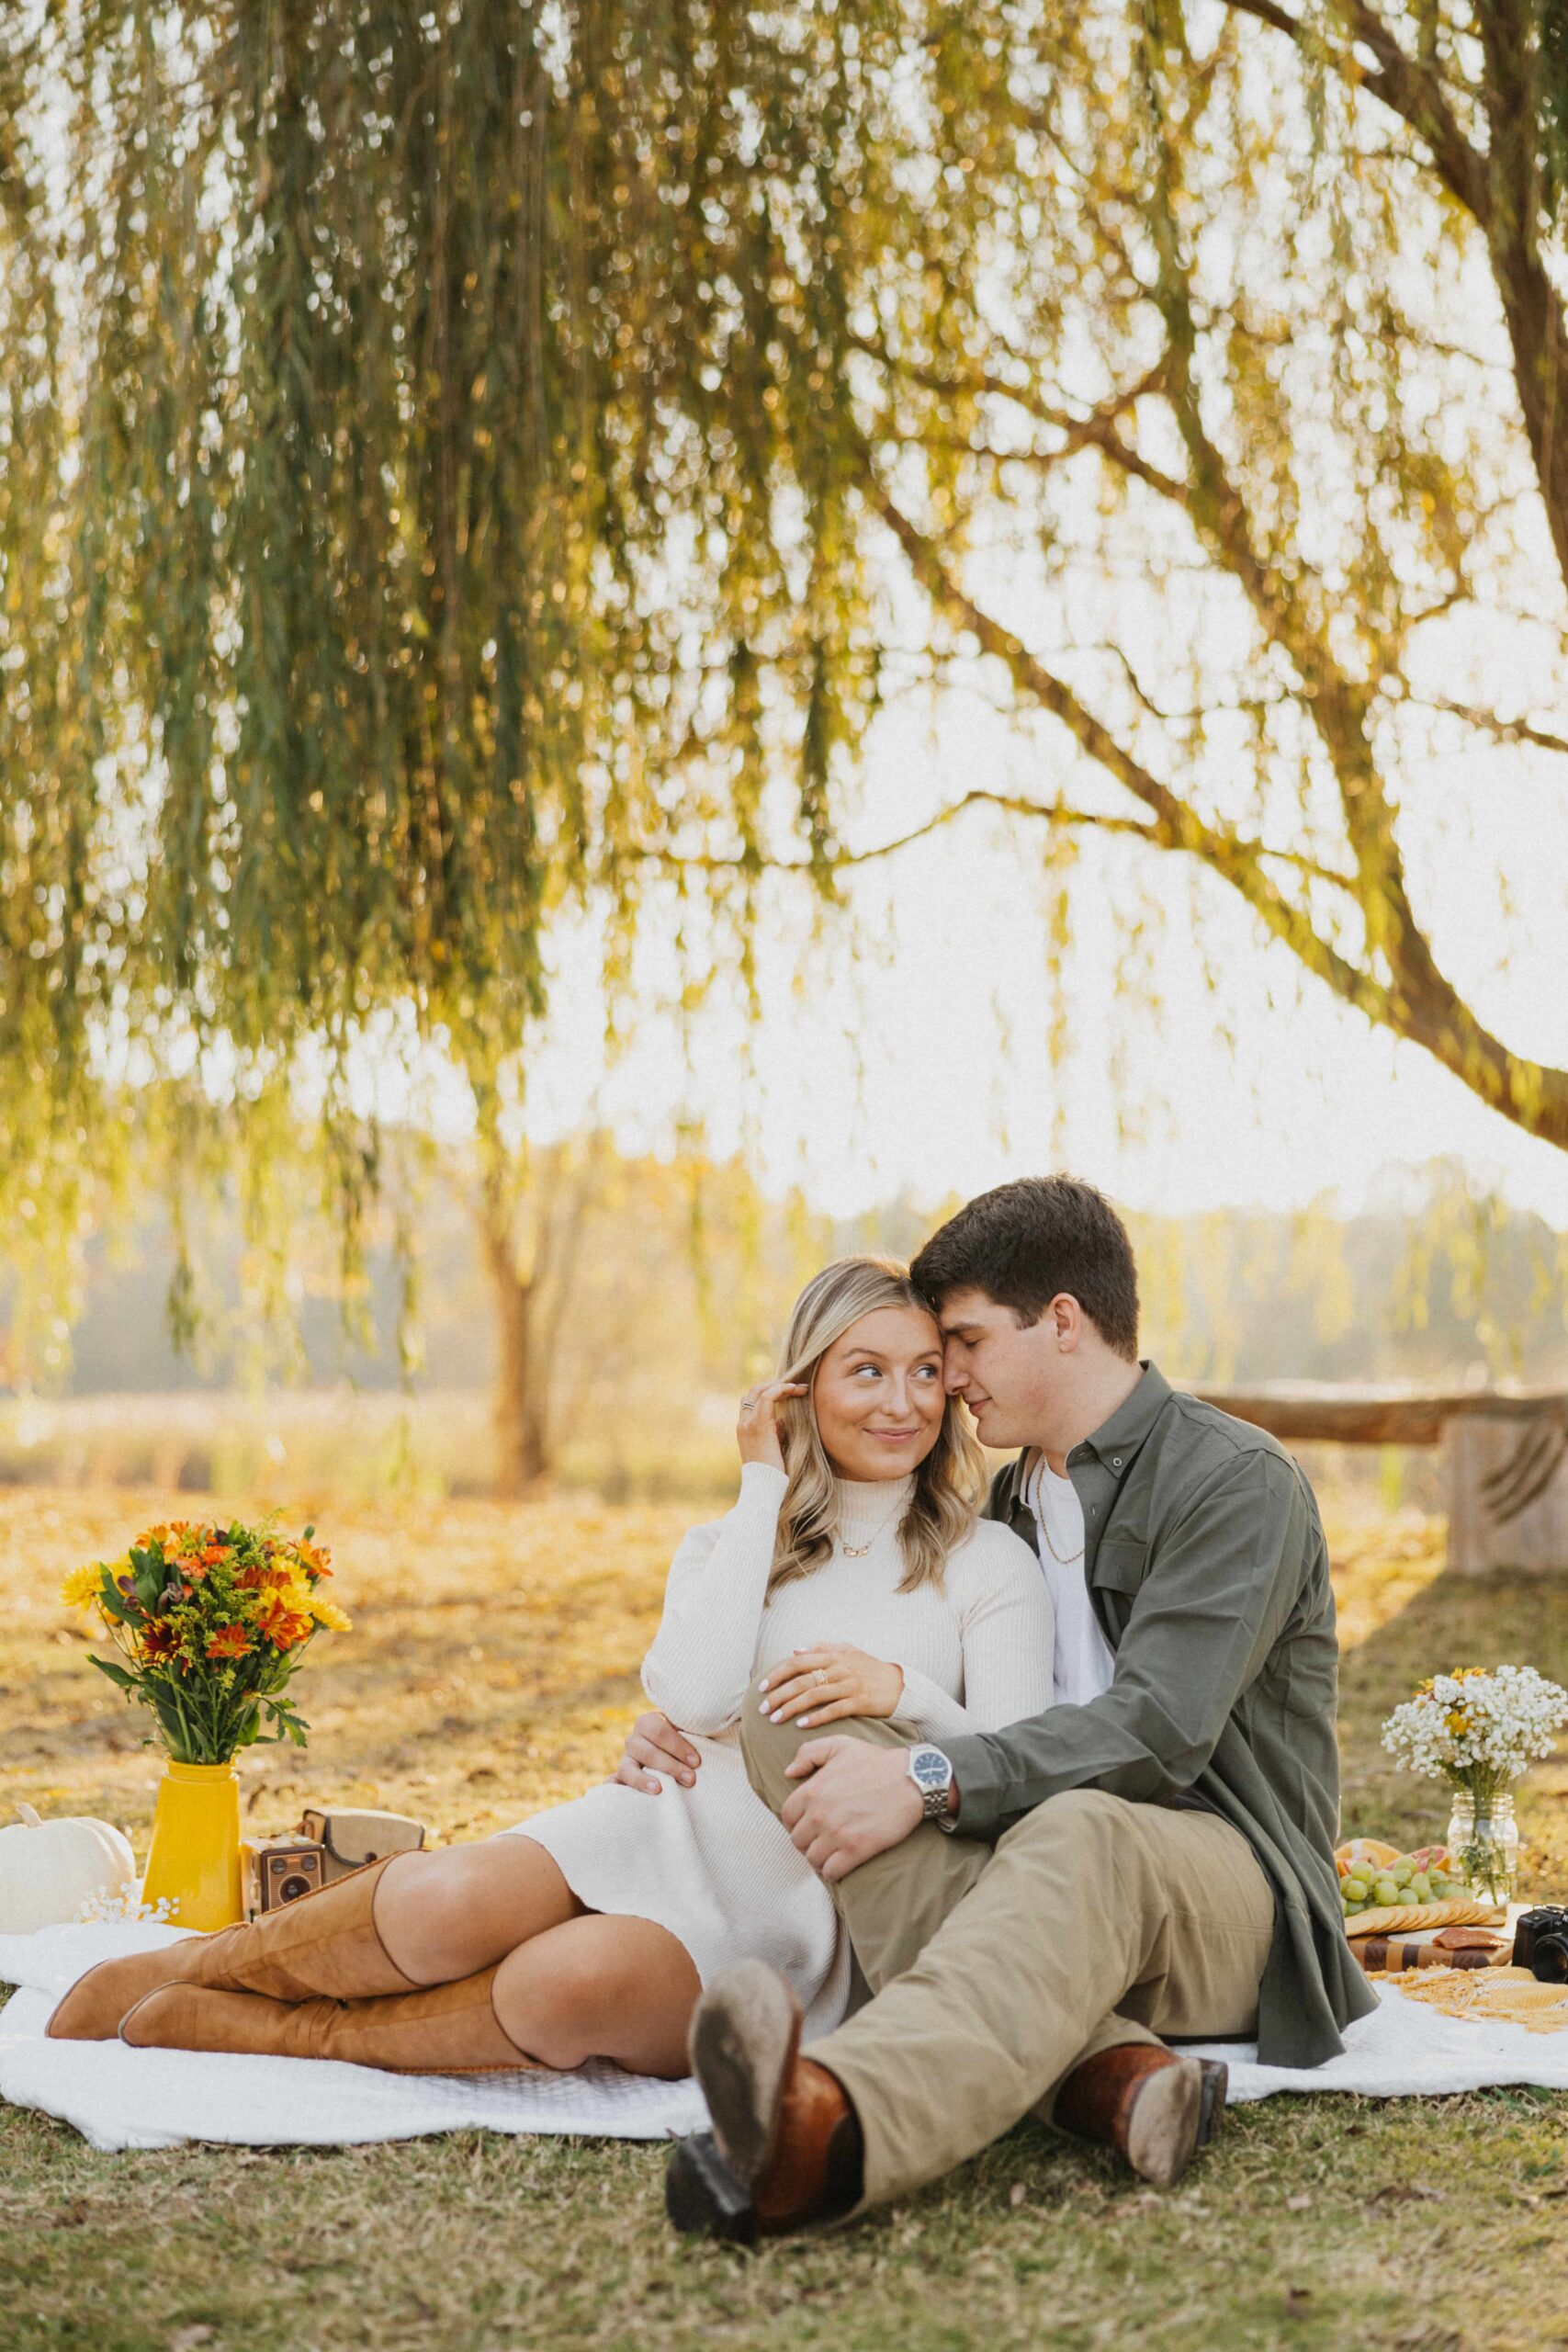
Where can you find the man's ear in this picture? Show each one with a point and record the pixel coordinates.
(1066, 1315)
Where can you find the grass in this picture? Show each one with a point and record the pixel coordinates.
(492, 1668)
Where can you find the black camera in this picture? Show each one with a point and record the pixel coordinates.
(1541, 1944)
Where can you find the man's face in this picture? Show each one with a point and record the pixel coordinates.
(1012, 1376)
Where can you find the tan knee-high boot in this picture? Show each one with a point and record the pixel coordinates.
(441, 2030)
(324, 1943)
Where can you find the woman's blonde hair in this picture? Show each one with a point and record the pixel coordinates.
(948, 1482)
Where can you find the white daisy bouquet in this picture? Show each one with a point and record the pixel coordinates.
(1477, 1728)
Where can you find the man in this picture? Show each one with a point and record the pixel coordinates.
(1035, 1910)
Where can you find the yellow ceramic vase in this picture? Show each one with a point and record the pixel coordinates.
(195, 1858)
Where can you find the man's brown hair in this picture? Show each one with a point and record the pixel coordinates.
(1025, 1242)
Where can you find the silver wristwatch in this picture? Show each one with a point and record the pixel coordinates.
(932, 1775)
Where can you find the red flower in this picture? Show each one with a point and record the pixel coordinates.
(158, 1641)
(229, 1641)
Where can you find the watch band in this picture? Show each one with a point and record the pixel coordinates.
(933, 1799)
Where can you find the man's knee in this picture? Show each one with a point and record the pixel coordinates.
(1087, 1817)
(770, 1748)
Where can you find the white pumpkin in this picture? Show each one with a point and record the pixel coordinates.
(48, 1868)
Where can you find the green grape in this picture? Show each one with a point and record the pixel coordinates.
(1357, 1889)
(1387, 1891)
(1402, 1872)
(1421, 1887)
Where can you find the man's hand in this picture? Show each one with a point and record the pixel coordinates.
(856, 1801)
(654, 1742)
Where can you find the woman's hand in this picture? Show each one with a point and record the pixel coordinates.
(757, 1431)
(828, 1682)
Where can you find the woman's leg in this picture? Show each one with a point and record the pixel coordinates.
(444, 1915)
(600, 1986)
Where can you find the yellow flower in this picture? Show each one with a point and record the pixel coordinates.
(328, 1615)
(1458, 1724)
(81, 1587)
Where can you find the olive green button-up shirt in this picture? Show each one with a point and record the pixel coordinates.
(1208, 1571)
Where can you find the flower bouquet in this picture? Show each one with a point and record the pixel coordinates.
(1479, 1728)
(211, 1624)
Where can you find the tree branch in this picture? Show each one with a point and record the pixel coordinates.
(1097, 430)
(1408, 89)
(1502, 731)
(1419, 1004)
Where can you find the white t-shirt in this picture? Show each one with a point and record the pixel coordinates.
(1085, 1661)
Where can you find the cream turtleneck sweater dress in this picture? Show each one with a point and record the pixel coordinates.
(711, 1863)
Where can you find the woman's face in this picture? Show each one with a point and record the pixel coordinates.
(879, 1394)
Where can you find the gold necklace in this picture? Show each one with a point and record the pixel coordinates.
(1062, 1560)
(859, 1551)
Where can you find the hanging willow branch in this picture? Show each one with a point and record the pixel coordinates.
(452, 459)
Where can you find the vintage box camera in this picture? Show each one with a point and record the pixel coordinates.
(279, 1870)
(329, 1842)
(1541, 1944)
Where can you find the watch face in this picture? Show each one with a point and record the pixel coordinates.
(930, 1768)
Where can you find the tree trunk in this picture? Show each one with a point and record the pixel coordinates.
(522, 1444)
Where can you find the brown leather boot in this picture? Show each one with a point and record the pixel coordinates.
(440, 2030)
(1154, 2108)
(326, 1942)
(785, 2149)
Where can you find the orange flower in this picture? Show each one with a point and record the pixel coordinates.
(286, 1631)
(229, 1641)
(162, 1534)
(313, 1557)
(158, 1641)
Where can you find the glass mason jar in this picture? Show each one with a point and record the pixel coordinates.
(1484, 1840)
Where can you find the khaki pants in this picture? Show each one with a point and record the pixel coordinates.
(1092, 1922)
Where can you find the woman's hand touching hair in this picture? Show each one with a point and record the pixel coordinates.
(812, 1687)
(757, 1429)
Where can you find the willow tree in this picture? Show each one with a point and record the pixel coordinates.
(462, 460)
(382, 566)
(1212, 385)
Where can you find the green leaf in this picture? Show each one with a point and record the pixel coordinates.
(126, 1681)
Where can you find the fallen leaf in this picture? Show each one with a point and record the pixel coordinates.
(185, 2339)
(1296, 2301)
(1301, 2204)
(1017, 2194)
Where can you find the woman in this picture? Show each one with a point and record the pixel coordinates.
(851, 1578)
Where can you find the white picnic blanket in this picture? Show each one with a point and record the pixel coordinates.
(118, 2098)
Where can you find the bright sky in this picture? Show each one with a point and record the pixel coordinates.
(923, 1064)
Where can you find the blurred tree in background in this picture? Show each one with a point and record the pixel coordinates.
(458, 463)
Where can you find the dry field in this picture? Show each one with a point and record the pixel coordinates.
(492, 1668)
